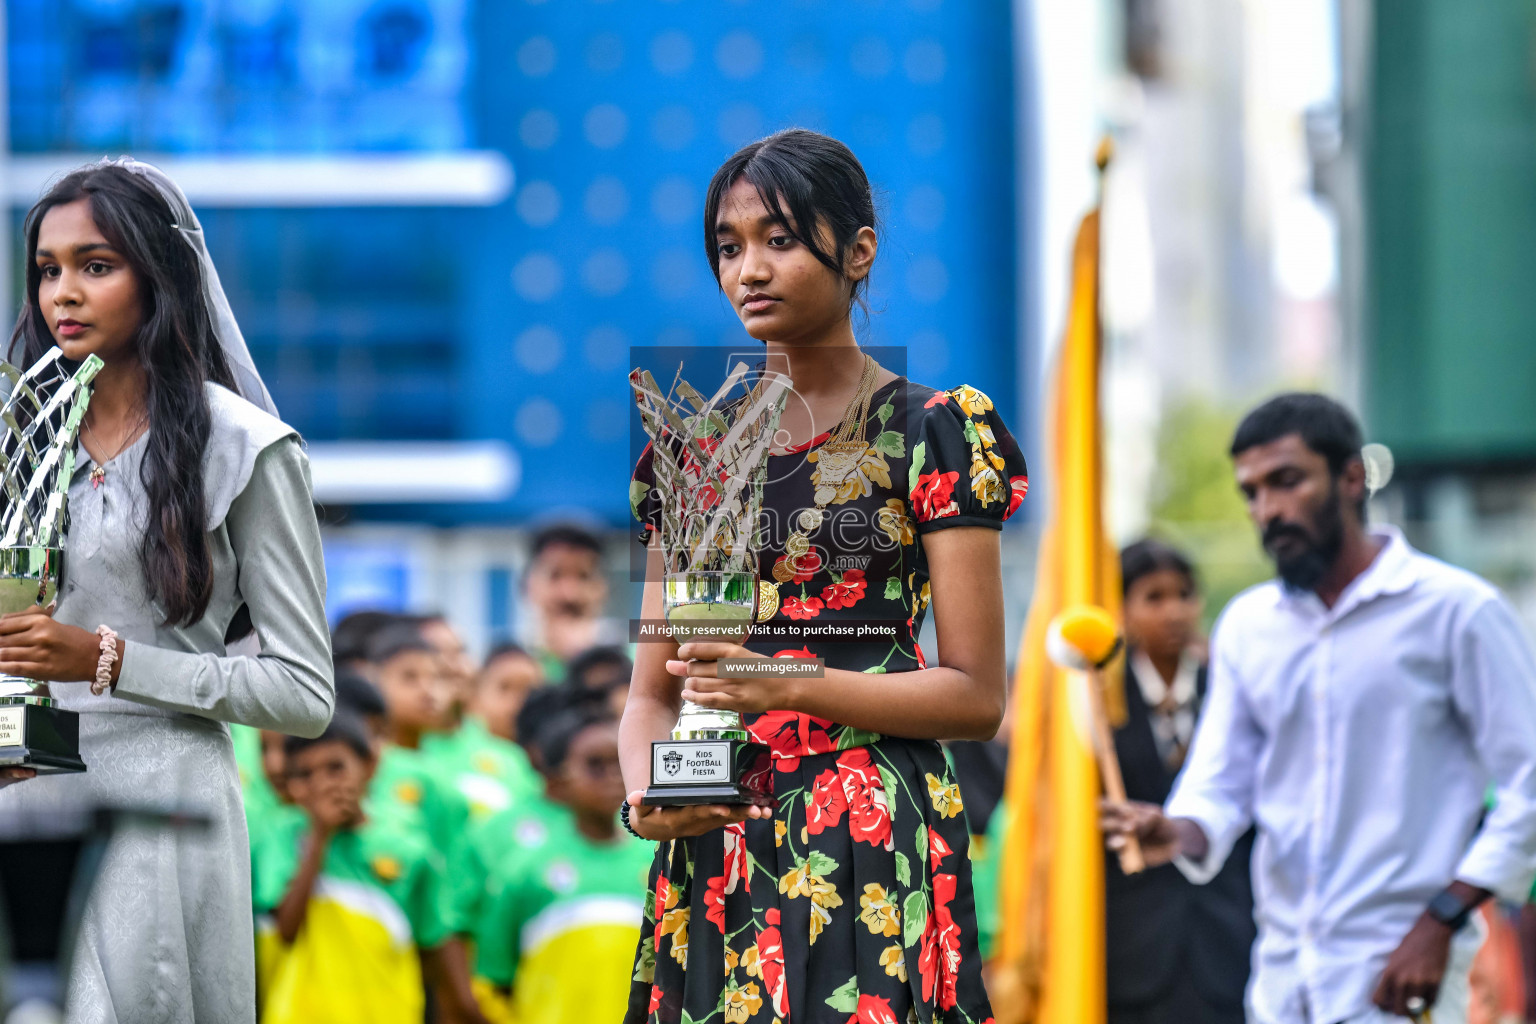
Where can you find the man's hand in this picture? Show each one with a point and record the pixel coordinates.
(1415, 967)
(696, 663)
(1162, 838)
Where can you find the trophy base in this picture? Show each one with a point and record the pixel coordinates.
(686, 772)
(36, 733)
(688, 796)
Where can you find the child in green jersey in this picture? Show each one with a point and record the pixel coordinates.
(509, 674)
(268, 809)
(604, 670)
(262, 785)
(563, 917)
(527, 823)
(478, 757)
(408, 785)
(355, 898)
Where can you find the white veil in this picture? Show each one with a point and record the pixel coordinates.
(247, 380)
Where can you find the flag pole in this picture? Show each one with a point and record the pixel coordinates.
(1131, 860)
(1048, 965)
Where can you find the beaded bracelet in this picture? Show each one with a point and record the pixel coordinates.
(624, 810)
(106, 661)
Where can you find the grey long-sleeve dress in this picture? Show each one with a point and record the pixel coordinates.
(167, 936)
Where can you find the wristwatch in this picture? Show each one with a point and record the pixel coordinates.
(1448, 909)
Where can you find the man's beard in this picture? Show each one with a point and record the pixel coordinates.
(1321, 545)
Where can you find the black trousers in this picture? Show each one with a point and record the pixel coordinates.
(1182, 1004)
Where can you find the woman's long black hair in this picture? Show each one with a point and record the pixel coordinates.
(803, 178)
(179, 351)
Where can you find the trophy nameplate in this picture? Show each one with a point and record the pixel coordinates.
(707, 771)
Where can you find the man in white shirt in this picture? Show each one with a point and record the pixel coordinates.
(1359, 706)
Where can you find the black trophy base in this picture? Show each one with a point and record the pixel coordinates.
(686, 773)
(39, 735)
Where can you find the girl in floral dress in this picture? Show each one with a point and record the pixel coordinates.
(850, 899)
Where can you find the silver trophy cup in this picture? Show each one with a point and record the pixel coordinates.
(39, 423)
(710, 461)
(709, 758)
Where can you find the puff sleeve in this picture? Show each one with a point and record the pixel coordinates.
(966, 468)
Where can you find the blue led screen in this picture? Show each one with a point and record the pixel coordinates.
(352, 316)
(238, 75)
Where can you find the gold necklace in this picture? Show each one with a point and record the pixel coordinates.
(99, 473)
(837, 458)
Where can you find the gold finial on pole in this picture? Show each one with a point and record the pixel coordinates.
(1105, 153)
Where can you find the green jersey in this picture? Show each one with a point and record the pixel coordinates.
(489, 773)
(247, 744)
(526, 825)
(986, 852)
(561, 924)
(407, 789)
(255, 791)
(406, 785)
(377, 902)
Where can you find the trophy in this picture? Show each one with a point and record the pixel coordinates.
(710, 459)
(39, 421)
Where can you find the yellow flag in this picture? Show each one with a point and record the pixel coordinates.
(1049, 960)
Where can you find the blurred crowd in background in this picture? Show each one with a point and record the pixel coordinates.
(490, 880)
(476, 802)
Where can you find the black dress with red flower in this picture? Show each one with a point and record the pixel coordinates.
(854, 903)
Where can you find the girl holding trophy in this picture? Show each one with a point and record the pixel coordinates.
(192, 526)
(851, 895)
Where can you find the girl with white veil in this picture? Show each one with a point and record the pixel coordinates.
(191, 524)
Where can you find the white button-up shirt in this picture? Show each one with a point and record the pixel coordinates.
(1361, 741)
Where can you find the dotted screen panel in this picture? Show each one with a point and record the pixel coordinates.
(616, 115)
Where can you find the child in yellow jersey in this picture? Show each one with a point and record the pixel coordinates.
(522, 826)
(355, 899)
(563, 918)
(407, 788)
(269, 808)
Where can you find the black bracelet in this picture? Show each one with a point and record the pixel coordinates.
(624, 820)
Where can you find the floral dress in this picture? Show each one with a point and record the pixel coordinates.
(854, 902)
